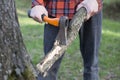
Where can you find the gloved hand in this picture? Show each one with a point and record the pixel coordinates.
(37, 11)
(91, 7)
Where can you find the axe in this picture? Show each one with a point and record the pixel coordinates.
(61, 22)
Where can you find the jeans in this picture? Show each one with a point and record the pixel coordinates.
(90, 35)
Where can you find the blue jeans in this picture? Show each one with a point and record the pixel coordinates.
(90, 35)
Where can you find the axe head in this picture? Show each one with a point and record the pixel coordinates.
(62, 34)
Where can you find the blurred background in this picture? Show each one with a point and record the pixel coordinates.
(72, 66)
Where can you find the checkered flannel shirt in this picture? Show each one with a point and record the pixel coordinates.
(57, 8)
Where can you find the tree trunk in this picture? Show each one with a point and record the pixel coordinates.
(15, 63)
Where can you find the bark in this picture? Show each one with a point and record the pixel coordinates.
(58, 49)
(15, 63)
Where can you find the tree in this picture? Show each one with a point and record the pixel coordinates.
(15, 63)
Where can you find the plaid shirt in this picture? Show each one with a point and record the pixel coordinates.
(57, 8)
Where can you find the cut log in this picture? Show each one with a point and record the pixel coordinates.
(58, 49)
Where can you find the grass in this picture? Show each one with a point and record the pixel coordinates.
(109, 51)
(72, 67)
(110, 1)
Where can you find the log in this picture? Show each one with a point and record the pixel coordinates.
(58, 50)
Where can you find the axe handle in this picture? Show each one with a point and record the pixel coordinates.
(52, 21)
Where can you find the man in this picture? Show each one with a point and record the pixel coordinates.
(90, 33)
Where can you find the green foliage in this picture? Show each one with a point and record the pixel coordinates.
(111, 9)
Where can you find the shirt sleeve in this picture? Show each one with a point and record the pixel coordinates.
(37, 2)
